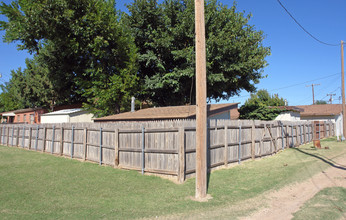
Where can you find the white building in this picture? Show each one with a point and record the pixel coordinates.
(67, 116)
(325, 112)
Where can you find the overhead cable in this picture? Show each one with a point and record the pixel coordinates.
(315, 38)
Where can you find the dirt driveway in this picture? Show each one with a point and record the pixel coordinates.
(279, 204)
(283, 203)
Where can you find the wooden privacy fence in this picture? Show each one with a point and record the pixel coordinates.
(163, 147)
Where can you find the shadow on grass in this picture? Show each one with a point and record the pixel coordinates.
(324, 159)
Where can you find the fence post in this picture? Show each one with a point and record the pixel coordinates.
(282, 136)
(116, 147)
(1, 134)
(30, 137)
(44, 139)
(23, 141)
(143, 147)
(8, 136)
(85, 143)
(17, 138)
(53, 137)
(239, 147)
(36, 142)
(100, 146)
(12, 136)
(61, 140)
(320, 133)
(72, 143)
(287, 137)
(301, 137)
(276, 137)
(269, 127)
(292, 135)
(253, 141)
(181, 172)
(225, 152)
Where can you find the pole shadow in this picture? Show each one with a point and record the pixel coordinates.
(325, 160)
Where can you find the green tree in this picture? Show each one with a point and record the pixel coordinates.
(165, 36)
(320, 102)
(261, 106)
(88, 55)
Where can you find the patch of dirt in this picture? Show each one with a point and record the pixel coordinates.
(283, 203)
(279, 204)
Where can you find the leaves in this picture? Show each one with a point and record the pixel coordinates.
(164, 35)
(82, 47)
(257, 106)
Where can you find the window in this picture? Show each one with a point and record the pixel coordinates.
(32, 118)
(24, 118)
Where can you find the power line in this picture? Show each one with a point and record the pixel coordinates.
(315, 38)
(285, 87)
(298, 84)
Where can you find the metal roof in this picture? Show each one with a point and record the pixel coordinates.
(64, 112)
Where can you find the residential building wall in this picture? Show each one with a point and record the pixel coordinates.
(81, 117)
(55, 119)
(288, 116)
(29, 117)
(224, 115)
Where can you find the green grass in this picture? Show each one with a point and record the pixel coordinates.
(41, 186)
(329, 203)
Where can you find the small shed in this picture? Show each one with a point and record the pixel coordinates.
(67, 116)
(215, 111)
(291, 113)
(7, 117)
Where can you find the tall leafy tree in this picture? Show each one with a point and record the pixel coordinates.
(320, 102)
(261, 106)
(88, 55)
(164, 35)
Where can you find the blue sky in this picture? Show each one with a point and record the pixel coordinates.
(297, 60)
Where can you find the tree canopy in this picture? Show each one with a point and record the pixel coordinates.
(320, 102)
(87, 54)
(165, 37)
(261, 106)
(85, 51)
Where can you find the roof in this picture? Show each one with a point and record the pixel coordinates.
(171, 112)
(5, 114)
(26, 110)
(320, 110)
(288, 108)
(64, 112)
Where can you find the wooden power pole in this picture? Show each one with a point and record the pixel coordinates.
(343, 91)
(313, 92)
(201, 105)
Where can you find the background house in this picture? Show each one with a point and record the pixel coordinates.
(215, 111)
(325, 112)
(29, 115)
(291, 113)
(67, 116)
(7, 117)
(23, 116)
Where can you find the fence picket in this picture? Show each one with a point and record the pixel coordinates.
(165, 147)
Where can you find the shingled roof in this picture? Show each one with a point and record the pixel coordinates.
(320, 110)
(164, 113)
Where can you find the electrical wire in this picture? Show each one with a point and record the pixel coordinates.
(315, 38)
(285, 87)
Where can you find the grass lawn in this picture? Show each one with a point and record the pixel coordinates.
(329, 203)
(34, 185)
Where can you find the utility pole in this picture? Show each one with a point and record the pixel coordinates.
(313, 94)
(201, 105)
(331, 98)
(343, 92)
